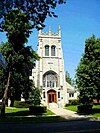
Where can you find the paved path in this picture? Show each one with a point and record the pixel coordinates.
(67, 114)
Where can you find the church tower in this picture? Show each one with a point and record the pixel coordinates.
(49, 73)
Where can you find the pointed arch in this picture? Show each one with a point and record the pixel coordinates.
(50, 79)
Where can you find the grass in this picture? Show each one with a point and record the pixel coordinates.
(24, 112)
(22, 115)
(72, 108)
(15, 110)
(95, 112)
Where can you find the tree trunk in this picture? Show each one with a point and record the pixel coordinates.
(5, 97)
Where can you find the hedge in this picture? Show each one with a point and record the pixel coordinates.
(22, 104)
(37, 109)
(84, 108)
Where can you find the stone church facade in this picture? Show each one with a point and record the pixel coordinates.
(49, 73)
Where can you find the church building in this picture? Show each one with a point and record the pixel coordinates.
(49, 73)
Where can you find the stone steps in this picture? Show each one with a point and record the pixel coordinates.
(53, 105)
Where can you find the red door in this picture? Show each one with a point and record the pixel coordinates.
(52, 96)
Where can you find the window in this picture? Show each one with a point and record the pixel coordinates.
(50, 80)
(44, 83)
(43, 94)
(58, 94)
(46, 50)
(48, 85)
(71, 95)
(52, 50)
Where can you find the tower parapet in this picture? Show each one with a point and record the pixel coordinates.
(50, 33)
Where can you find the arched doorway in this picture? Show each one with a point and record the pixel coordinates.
(52, 96)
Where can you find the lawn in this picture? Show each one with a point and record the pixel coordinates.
(95, 112)
(72, 108)
(22, 115)
(23, 112)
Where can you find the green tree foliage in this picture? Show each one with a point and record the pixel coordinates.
(2, 61)
(19, 58)
(17, 27)
(68, 78)
(35, 96)
(35, 10)
(88, 72)
(20, 65)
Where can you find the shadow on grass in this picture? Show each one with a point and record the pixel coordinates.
(25, 116)
(24, 113)
(31, 119)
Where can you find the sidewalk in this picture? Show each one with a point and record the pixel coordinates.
(67, 114)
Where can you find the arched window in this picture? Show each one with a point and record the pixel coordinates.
(46, 50)
(50, 80)
(53, 50)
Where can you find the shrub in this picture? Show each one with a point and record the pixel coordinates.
(72, 102)
(22, 104)
(37, 109)
(84, 108)
(35, 96)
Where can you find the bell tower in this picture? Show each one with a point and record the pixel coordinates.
(49, 73)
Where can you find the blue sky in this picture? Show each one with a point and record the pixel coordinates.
(79, 20)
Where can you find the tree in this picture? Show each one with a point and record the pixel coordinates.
(68, 78)
(18, 57)
(35, 10)
(2, 61)
(88, 72)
